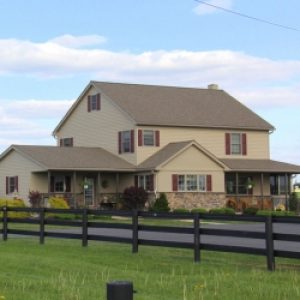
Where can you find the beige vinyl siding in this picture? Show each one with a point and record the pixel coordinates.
(191, 161)
(97, 128)
(211, 139)
(15, 164)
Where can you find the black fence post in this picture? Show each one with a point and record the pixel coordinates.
(5, 221)
(135, 231)
(84, 227)
(196, 237)
(269, 243)
(42, 225)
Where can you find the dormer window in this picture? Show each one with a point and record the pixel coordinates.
(94, 102)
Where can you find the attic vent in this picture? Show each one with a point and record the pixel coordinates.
(213, 86)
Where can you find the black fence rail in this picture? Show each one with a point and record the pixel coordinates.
(131, 227)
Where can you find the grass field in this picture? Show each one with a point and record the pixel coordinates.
(62, 269)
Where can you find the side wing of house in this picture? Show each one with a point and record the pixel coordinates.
(97, 122)
(223, 143)
(17, 177)
(192, 179)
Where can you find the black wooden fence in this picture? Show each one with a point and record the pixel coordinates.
(133, 231)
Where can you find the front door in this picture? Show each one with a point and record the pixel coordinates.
(89, 191)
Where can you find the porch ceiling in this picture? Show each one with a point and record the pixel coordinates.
(260, 166)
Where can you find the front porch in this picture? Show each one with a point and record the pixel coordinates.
(91, 189)
(264, 191)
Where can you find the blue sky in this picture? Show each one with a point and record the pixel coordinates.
(50, 50)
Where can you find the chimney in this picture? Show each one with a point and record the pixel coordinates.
(213, 86)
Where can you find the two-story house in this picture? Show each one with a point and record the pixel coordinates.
(201, 147)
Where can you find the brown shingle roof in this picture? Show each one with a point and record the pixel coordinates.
(260, 165)
(177, 106)
(163, 155)
(74, 158)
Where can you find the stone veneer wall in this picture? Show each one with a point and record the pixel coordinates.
(196, 200)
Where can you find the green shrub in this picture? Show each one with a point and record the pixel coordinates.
(275, 213)
(250, 211)
(293, 202)
(134, 198)
(161, 203)
(222, 211)
(14, 203)
(59, 203)
(180, 210)
(199, 210)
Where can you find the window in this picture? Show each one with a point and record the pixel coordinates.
(66, 142)
(11, 184)
(278, 184)
(236, 147)
(94, 102)
(126, 141)
(60, 184)
(181, 183)
(236, 144)
(146, 182)
(241, 184)
(148, 138)
(191, 183)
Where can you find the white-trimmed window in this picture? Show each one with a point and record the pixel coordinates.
(191, 182)
(148, 137)
(126, 141)
(236, 143)
(11, 184)
(145, 181)
(94, 102)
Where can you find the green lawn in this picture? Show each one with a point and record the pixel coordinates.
(62, 269)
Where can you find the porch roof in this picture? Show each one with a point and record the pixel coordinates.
(73, 158)
(261, 166)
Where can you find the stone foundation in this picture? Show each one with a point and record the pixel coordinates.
(196, 200)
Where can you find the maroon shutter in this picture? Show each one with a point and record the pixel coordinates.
(52, 184)
(140, 137)
(132, 141)
(136, 181)
(227, 144)
(120, 141)
(89, 103)
(244, 144)
(98, 101)
(68, 184)
(7, 180)
(16, 183)
(208, 183)
(151, 182)
(175, 182)
(157, 138)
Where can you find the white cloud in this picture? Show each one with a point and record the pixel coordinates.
(194, 68)
(203, 9)
(71, 41)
